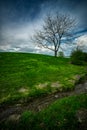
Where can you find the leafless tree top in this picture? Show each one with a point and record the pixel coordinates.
(55, 27)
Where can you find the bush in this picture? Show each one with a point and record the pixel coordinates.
(60, 54)
(78, 57)
(85, 57)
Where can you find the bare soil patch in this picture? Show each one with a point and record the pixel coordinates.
(14, 111)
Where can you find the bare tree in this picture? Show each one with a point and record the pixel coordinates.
(55, 28)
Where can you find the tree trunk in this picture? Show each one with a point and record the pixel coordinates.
(55, 53)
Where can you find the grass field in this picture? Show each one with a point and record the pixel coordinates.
(61, 115)
(25, 75)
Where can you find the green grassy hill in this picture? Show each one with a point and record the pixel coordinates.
(69, 113)
(29, 75)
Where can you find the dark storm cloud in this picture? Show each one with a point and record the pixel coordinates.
(28, 10)
(18, 18)
(18, 10)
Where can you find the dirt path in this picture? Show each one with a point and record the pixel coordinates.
(14, 111)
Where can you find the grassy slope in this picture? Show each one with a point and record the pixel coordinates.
(31, 72)
(61, 115)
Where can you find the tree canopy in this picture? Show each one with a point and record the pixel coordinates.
(55, 28)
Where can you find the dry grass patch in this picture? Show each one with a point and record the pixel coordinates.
(41, 86)
(55, 85)
(23, 90)
(14, 117)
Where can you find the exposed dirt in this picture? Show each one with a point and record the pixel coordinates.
(13, 112)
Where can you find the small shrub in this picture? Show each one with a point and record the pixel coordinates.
(60, 54)
(85, 56)
(78, 57)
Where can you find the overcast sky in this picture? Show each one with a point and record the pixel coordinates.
(20, 18)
